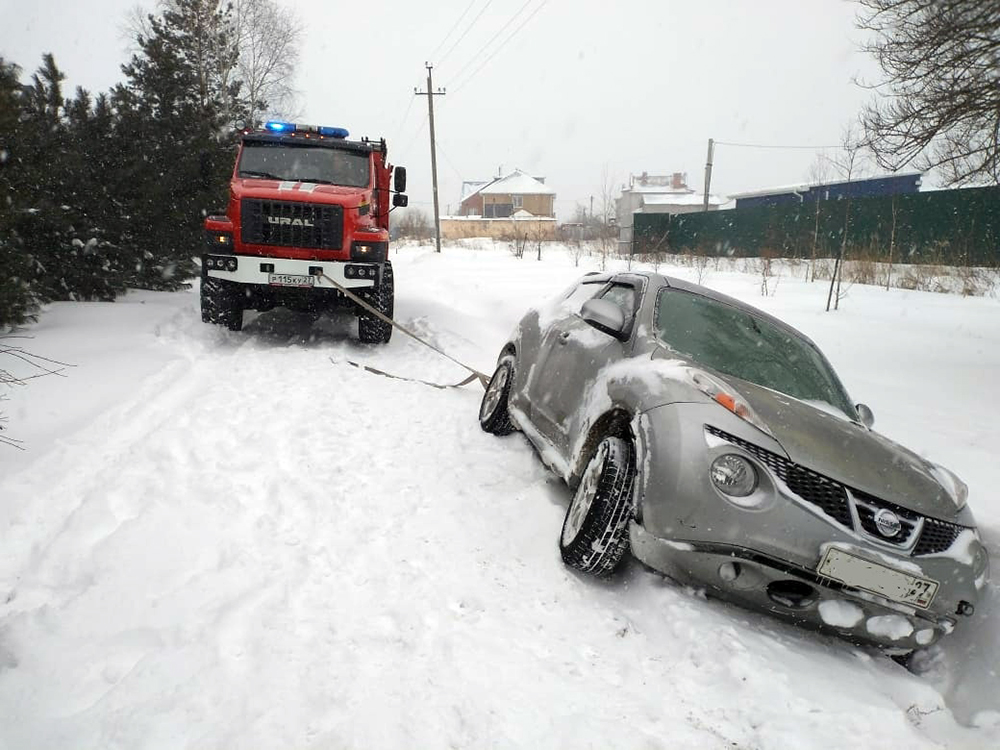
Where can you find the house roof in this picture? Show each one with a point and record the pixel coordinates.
(515, 183)
(656, 189)
(681, 199)
(802, 187)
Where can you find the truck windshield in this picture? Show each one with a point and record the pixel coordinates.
(332, 166)
(748, 347)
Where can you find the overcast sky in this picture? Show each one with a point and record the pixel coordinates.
(583, 87)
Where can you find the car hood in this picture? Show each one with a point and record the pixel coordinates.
(848, 452)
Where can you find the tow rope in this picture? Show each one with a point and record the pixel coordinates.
(475, 374)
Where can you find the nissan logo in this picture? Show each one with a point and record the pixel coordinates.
(887, 523)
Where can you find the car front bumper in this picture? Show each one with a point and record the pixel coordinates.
(764, 551)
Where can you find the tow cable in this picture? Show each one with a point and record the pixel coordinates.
(475, 374)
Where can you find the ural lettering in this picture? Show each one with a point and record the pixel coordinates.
(287, 221)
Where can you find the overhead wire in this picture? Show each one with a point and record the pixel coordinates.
(464, 33)
(503, 44)
(760, 145)
(452, 29)
(486, 46)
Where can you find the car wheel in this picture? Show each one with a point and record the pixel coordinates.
(372, 329)
(595, 533)
(221, 304)
(494, 416)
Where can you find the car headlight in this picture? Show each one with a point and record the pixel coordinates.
(957, 490)
(727, 397)
(734, 475)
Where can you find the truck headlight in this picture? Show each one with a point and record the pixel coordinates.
(733, 475)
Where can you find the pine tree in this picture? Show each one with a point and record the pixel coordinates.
(171, 125)
(17, 303)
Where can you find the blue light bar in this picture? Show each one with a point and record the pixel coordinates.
(280, 127)
(333, 132)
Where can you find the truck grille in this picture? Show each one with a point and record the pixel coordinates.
(832, 498)
(288, 224)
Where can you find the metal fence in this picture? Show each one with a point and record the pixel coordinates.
(952, 227)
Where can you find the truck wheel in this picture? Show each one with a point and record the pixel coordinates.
(595, 533)
(493, 414)
(221, 304)
(372, 330)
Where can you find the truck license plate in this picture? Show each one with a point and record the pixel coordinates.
(289, 279)
(877, 579)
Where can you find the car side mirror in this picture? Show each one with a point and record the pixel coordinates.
(400, 201)
(867, 417)
(605, 316)
(399, 179)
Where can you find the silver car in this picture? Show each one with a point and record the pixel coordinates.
(718, 444)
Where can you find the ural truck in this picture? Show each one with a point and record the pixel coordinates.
(307, 207)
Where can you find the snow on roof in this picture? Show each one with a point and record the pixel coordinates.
(517, 183)
(656, 189)
(681, 199)
(802, 187)
(471, 187)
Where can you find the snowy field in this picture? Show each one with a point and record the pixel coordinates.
(220, 540)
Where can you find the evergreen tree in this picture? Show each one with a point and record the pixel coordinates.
(171, 117)
(17, 303)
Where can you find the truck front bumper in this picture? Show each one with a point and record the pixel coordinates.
(285, 272)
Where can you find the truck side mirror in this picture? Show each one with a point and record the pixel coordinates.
(400, 201)
(399, 180)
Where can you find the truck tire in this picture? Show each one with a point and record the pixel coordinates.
(372, 330)
(595, 533)
(221, 304)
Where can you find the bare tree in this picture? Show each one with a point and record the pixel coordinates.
(939, 100)
(36, 367)
(267, 37)
(848, 164)
(819, 175)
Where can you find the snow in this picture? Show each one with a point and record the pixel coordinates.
(517, 183)
(895, 627)
(839, 613)
(222, 540)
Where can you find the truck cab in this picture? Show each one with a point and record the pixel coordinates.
(307, 216)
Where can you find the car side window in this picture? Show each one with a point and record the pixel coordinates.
(624, 296)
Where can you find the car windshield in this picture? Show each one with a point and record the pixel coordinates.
(734, 342)
(320, 164)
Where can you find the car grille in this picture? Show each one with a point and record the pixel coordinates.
(288, 224)
(833, 499)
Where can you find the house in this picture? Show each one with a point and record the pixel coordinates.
(501, 197)
(809, 192)
(658, 194)
(511, 205)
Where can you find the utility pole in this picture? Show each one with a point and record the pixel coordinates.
(708, 171)
(591, 207)
(430, 94)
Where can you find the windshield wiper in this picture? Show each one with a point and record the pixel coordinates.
(317, 180)
(262, 175)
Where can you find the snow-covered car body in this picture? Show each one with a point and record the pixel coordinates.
(840, 528)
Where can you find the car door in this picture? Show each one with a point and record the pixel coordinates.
(576, 352)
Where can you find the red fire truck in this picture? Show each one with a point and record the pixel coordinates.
(306, 207)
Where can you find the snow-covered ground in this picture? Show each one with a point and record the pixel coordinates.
(220, 540)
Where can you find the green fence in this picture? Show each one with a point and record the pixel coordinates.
(953, 227)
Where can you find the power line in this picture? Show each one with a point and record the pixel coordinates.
(452, 30)
(486, 46)
(502, 45)
(467, 29)
(760, 145)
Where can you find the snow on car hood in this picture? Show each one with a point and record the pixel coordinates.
(847, 451)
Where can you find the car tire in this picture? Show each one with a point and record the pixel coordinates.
(494, 411)
(221, 304)
(594, 535)
(372, 329)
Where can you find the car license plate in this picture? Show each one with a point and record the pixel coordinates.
(876, 578)
(289, 279)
